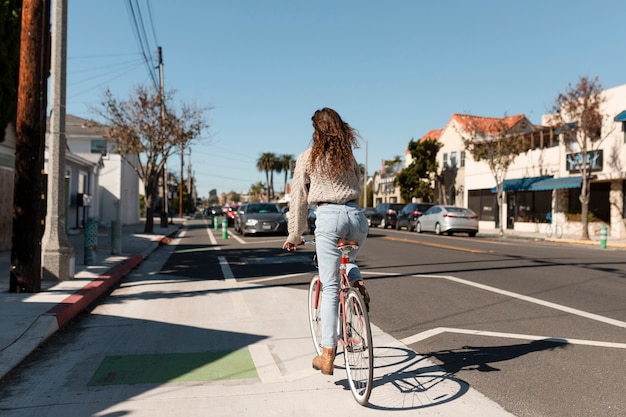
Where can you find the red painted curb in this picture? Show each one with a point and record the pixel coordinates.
(81, 299)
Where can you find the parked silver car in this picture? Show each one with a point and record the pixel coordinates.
(448, 219)
(254, 218)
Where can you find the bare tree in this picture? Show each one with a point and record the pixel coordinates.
(144, 131)
(577, 116)
(497, 141)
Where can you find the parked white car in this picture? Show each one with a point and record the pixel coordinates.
(449, 220)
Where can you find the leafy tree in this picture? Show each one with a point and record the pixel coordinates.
(392, 165)
(416, 179)
(497, 142)
(577, 116)
(267, 163)
(10, 19)
(145, 136)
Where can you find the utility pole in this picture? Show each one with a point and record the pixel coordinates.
(164, 207)
(30, 127)
(58, 254)
(182, 166)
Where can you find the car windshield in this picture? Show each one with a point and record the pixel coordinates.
(262, 208)
(461, 210)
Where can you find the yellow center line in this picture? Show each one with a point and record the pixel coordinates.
(437, 245)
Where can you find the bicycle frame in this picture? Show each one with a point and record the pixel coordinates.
(344, 286)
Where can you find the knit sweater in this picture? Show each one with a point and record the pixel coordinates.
(312, 185)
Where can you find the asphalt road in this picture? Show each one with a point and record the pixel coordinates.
(539, 328)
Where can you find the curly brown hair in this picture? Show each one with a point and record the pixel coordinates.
(333, 141)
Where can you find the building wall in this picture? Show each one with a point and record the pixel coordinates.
(118, 192)
(7, 181)
(116, 188)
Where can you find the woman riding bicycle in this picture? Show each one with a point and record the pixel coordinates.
(328, 175)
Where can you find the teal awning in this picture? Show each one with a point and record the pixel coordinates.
(621, 117)
(520, 184)
(557, 183)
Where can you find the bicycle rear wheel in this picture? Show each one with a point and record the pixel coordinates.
(315, 317)
(359, 350)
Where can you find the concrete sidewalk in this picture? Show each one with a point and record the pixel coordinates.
(29, 319)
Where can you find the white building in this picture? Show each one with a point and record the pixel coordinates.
(115, 192)
(542, 181)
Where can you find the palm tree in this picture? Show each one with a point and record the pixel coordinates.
(267, 163)
(256, 190)
(285, 165)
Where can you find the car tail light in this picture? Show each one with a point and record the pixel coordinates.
(390, 211)
(416, 214)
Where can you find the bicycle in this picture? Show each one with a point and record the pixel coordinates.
(353, 327)
(556, 229)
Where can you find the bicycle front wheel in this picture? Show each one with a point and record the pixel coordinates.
(315, 317)
(549, 230)
(558, 232)
(358, 350)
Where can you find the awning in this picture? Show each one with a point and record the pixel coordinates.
(557, 183)
(621, 117)
(520, 184)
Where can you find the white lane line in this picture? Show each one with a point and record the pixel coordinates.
(226, 271)
(581, 313)
(237, 238)
(210, 233)
(440, 330)
(240, 305)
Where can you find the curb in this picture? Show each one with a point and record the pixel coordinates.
(71, 306)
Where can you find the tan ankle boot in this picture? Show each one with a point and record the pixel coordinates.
(326, 361)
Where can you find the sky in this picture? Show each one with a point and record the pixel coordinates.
(393, 70)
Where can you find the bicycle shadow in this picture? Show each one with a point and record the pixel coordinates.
(406, 380)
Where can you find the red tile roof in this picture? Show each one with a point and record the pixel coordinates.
(432, 135)
(485, 124)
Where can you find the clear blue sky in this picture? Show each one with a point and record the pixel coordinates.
(394, 70)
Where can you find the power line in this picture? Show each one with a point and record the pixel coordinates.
(136, 21)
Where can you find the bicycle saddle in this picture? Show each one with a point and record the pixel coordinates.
(344, 242)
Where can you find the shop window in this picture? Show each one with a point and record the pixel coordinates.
(483, 203)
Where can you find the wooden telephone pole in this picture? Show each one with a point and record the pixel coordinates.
(30, 126)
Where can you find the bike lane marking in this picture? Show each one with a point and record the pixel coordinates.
(440, 330)
(548, 304)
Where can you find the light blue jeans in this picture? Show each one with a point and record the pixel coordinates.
(335, 221)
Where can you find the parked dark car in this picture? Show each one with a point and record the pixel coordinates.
(449, 220)
(311, 218)
(256, 218)
(368, 215)
(385, 215)
(213, 211)
(407, 217)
